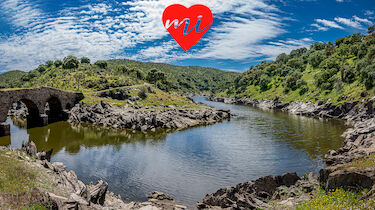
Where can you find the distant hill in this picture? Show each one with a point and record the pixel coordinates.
(11, 79)
(72, 74)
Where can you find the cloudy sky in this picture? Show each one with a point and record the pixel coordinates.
(244, 32)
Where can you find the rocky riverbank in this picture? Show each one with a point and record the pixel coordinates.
(352, 167)
(56, 188)
(145, 118)
(142, 118)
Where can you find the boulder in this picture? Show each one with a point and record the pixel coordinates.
(96, 193)
(29, 148)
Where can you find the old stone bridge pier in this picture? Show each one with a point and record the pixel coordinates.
(36, 99)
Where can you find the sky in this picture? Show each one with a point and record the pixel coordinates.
(244, 32)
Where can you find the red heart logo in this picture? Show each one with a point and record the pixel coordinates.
(187, 25)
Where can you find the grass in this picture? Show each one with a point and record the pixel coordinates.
(15, 176)
(154, 98)
(339, 199)
(363, 163)
(21, 185)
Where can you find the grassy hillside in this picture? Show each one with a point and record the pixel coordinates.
(123, 82)
(72, 74)
(328, 72)
(11, 79)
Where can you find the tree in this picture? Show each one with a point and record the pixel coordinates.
(70, 62)
(58, 63)
(264, 82)
(316, 58)
(101, 64)
(154, 75)
(85, 60)
(282, 58)
(371, 29)
(41, 68)
(49, 63)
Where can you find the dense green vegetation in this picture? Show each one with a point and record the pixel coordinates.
(327, 72)
(11, 79)
(78, 74)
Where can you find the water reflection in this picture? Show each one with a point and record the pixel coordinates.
(190, 163)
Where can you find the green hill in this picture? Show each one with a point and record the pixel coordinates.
(71, 74)
(328, 72)
(11, 79)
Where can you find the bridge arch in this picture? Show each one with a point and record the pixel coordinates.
(36, 99)
(54, 110)
(34, 117)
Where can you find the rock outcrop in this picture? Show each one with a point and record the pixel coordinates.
(248, 195)
(142, 119)
(76, 195)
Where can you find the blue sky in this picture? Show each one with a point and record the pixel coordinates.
(244, 32)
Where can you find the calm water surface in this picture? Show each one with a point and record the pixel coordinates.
(191, 163)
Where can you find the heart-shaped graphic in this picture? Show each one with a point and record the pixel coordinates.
(187, 25)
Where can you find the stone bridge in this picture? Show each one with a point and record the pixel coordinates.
(36, 99)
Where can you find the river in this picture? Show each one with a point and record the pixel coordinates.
(188, 164)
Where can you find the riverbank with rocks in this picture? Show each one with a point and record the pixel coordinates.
(351, 167)
(144, 118)
(141, 118)
(53, 187)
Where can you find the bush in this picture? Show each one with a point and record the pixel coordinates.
(154, 75)
(58, 63)
(347, 73)
(291, 81)
(316, 58)
(371, 53)
(143, 93)
(329, 63)
(85, 60)
(295, 63)
(282, 58)
(264, 82)
(101, 64)
(368, 76)
(325, 79)
(70, 62)
(41, 68)
(49, 63)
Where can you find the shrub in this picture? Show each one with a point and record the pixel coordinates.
(49, 63)
(41, 68)
(101, 64)
(325, 80)
(295, 63)
(154, 75)
(316, 58)
(282, 58)
(329, 63)
(347, 73)
(58, 63)
(85, 60)
(368, 76)
(371, 53)
(70, 62)
(291, 80)
(264, 82)
(142, 93)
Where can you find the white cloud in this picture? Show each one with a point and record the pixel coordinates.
(319, 27)
(354, 22)
(328, 23)
(363, 20)
(348, 22)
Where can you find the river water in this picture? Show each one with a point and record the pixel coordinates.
(188, 164)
